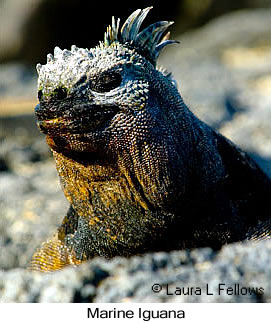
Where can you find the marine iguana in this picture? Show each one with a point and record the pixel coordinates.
(141, 172)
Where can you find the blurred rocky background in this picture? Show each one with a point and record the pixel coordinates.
(223, 69)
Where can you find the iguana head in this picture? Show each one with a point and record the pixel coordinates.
(99, 100)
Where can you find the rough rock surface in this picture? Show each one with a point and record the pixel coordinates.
(225, 79)
(182, 276)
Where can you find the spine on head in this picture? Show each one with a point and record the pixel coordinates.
(149, 42)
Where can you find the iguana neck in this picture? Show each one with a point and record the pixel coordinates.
(94, 188)
(108, 207)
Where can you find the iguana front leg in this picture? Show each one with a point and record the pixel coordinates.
(54, 253)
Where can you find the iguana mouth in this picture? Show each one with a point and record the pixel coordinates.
(76, 120)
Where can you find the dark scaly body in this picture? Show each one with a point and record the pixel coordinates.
(140, 171)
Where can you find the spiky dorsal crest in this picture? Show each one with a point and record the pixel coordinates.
(149, 42)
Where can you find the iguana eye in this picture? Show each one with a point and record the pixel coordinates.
(106, 82)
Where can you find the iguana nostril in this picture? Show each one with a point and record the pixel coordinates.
(40, 94)
(60, 93)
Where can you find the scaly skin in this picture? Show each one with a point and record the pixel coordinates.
(140, 171)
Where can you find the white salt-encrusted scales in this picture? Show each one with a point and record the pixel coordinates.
(123, 44)
(63, 68)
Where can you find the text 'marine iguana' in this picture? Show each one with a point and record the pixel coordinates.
(141, 172)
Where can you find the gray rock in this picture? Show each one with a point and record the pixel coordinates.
(238, 273)
(31, 207)
(17, 81)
